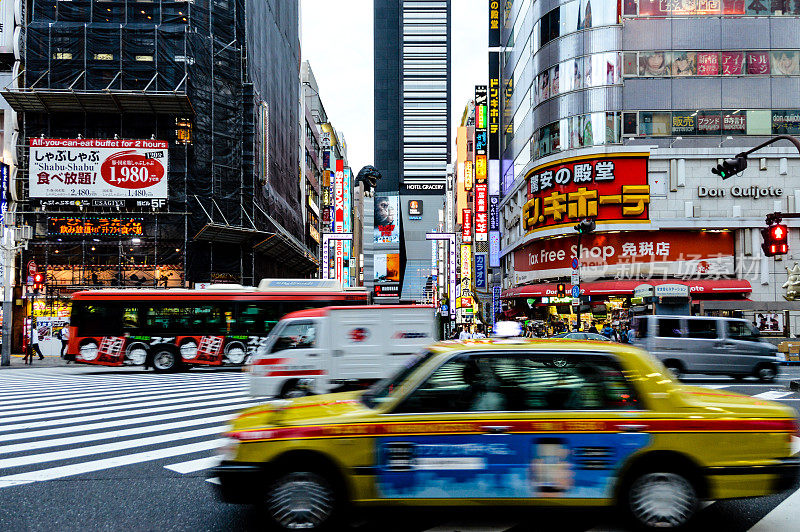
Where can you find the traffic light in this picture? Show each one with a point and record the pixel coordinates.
(586, 225)
(38, 282)
(776, 240)
(561, 290)
(730, 167)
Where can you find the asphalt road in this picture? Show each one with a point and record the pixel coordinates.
(83, 448)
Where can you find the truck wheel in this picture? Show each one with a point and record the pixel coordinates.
(166, 361)
(302, 500)
(657, 500)
(766, 373)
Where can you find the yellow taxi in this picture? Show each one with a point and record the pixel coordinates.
(510, 422)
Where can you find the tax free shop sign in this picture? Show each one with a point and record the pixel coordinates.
(98, 168)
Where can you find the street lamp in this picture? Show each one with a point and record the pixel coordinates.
(587, 225)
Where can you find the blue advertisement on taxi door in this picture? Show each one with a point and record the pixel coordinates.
(503, 465)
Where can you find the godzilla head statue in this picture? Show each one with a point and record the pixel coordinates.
(369, 176)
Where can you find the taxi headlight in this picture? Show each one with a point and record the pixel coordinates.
(227, 451)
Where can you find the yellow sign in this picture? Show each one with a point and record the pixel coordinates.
(468, 181)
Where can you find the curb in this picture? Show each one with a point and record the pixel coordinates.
(794, 385)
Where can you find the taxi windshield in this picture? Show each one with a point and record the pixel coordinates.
(383, 389)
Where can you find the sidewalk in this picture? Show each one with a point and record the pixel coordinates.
(48, 362)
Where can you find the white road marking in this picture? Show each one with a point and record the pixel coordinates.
(64, 407)
(782, 517)
(109, 447)
(105, 391)
(228, 405)
(772, 395)
(71, 385)
(98, 436)
(716, 386)
(106, 463)
(193, 466)
(214, 480)
(119, 410)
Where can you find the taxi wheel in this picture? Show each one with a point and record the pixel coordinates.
(657, 500)
(302, 500)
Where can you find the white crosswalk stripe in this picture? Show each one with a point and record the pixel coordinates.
(772, 395)
(61, 425)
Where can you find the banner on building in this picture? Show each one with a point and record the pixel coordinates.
(386, 219)
(95, 226)
(494, 213)
(387, 267)
(480, 270)
(98, 168)
(610, 189)
(494, 23)
(494, 249)
(466, 225)
(630, 254)
(494, 105)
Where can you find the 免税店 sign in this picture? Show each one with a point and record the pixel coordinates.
(611, 188)
(98, 168)
(628, 254)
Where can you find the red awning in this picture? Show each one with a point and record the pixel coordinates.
(625, 288)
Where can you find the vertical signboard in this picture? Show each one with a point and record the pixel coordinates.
(481, 213)
(494, 23)
(338, 217)
(348, 225)
(480, 270)
(494, 249)
(466, 225)
(494, 105)
(468, 178)
(466, 276)
(495, 303)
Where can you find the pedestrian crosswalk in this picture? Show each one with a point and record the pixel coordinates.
(58, 425)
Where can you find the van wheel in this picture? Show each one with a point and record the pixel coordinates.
(657, 500)
(302, 500)
(675, 367)
(766, 373)
(166, 361)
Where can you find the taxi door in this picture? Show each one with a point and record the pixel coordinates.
(511, 426)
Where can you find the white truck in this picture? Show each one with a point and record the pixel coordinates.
(338, 348)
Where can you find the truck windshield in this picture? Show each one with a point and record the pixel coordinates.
(382, 390)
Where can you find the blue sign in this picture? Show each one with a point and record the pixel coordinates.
(480, 270)
(494, 213)
(576, 291)
(574, 263)
(494, 249)
(495, 302)
(443, 309)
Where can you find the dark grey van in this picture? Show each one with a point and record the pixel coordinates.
(709, 345)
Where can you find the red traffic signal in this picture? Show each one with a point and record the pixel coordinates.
(561, 290)
(776, 240)
(38, 278)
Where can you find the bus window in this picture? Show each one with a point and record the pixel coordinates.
(161, 319)
(257, 319)
(130, 318)
(96, 318)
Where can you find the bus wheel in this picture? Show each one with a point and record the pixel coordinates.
(166, 361)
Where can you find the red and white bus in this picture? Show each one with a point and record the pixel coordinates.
(172, 329)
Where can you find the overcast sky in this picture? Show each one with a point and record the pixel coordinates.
(336, 38)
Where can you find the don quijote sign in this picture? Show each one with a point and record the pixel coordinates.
(632, 254)
(98, 168)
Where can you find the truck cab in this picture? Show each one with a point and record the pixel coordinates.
(338, 348)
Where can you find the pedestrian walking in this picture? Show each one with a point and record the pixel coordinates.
(464, 334)
(479, 333)
(35, 341)
(63, 335)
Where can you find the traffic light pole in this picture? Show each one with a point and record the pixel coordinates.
(580, 234)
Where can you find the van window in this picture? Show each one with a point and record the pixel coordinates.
(702, 329)
(297, 335)
(741, 330)
(669, 328)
